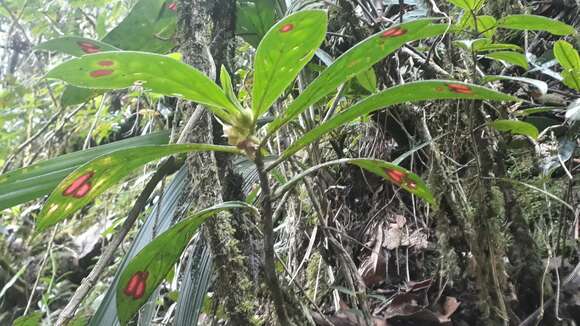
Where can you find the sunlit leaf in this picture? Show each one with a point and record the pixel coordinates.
(283, 52)
(566, 55)
(75, 46)
(356, 60)
(410, 92)
(516, 127)
(31, 182)
(511, 57)
(536, 23)
(95, 177)
(158, 73)
(468, 4)
(148, 269)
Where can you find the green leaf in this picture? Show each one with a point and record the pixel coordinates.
(411, 92)
(254, 18)
(485, 25)
(468, 4)
(572, 78)
(511, 57)
(158, 73)
(228, 87)
(33, 319)
(389, 171)
(152, 264)
(356, 60)
(477, 47)
(149, 27)
(566, 55)
(77, 95)
(516, 127)
(284, 51)
(75, 46)
(368, 80)
(39, 179)
(536, 23)
(95, 177)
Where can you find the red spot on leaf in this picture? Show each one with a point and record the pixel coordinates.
(101, 73)
(137, 285)
(460, 89)
(89, 47)
(106, 63)
(395, 175)
(287, 28)
(411, 184)
(394, 32)
(80, 187)
(172, 6)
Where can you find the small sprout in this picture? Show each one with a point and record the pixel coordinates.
(101, 73)
(137, 285)
(460, 89)
(80, 187)
(287, 28)
(394, 32)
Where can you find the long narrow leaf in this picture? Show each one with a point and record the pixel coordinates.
(159, 220)
(95, 177)
(388, 171)
(148, 269)
(411, 92)
(356, 60)
(159, 73)
(22, 185)
(536, 23)
(283, 52)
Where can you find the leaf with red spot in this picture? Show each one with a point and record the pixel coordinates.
(359, 58)
(151, 265)
(389, 171)
(75, 46)
(283, 52)
(95, 177)
(158, 73)
(410, 92)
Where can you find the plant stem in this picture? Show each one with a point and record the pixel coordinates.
(268, 231)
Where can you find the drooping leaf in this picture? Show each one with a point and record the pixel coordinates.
(536, 23)
(254, 18)
(95, 177)
(516, 127)
(75, 46)
(148, 269)
(22, 185)
(389, 171)
(511, 57)
(411, 92)
(356, 60)
(283, 52)
(159, 73)
(538, 84)
(566, 55)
